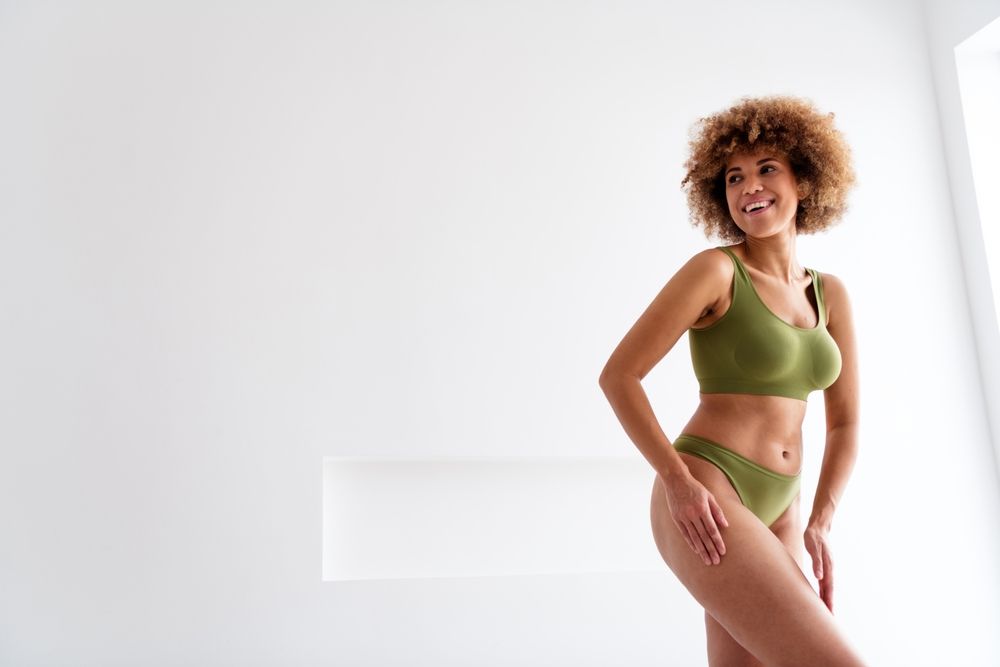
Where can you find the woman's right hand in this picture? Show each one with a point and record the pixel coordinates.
(696, 513)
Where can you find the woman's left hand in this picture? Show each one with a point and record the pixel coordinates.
(818, 547)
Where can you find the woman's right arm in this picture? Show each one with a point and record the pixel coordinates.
(690, 294)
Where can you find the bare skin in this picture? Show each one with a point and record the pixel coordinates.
(759, 606)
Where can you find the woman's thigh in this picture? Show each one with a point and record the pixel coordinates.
(723, 650)
(757, 592)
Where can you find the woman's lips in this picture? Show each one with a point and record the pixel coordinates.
(761, 209)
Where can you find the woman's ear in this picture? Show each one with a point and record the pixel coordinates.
(803, 189)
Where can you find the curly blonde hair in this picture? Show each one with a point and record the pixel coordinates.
(817, 152)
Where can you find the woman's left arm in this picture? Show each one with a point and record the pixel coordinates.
(842, 417)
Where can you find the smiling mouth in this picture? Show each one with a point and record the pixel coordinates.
(758, 209)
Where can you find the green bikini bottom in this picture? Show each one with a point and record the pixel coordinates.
(764, 492)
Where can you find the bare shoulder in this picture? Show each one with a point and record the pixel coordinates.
(711, 263)
(707, 276)
(838, 301)
(688, 295)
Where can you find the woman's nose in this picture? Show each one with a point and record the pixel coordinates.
(751, 186)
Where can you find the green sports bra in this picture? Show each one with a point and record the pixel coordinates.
(750, 350)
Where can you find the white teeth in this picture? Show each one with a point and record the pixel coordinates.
(757, 204)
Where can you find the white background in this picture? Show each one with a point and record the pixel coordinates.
(238, 237)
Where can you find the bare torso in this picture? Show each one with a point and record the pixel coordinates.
(765, 429)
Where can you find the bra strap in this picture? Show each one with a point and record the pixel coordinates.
(741, 271)
(820, 300)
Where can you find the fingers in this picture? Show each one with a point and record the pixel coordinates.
(818, 558)
(687, 538)
(711, 540)
(826, 591)
(720, 517)
(823, 568)
(828, 578)
(693, 537)
(700, 531)
(822, 562)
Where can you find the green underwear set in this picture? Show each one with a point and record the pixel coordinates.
(750, 350)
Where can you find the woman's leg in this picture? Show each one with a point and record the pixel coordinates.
(723, 650)
(757, 593)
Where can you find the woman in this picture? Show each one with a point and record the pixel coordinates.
(764, 332)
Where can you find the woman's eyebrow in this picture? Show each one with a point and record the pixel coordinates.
(759, 162)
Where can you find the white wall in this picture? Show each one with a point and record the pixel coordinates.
(238, 239)
(949, 24)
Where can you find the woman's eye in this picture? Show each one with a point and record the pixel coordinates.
(763, 170)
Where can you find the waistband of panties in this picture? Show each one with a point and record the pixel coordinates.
(753, 464)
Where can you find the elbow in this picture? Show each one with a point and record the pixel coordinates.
(607, 376)
(612, 376)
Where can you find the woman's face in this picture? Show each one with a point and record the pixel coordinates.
(767, 177)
